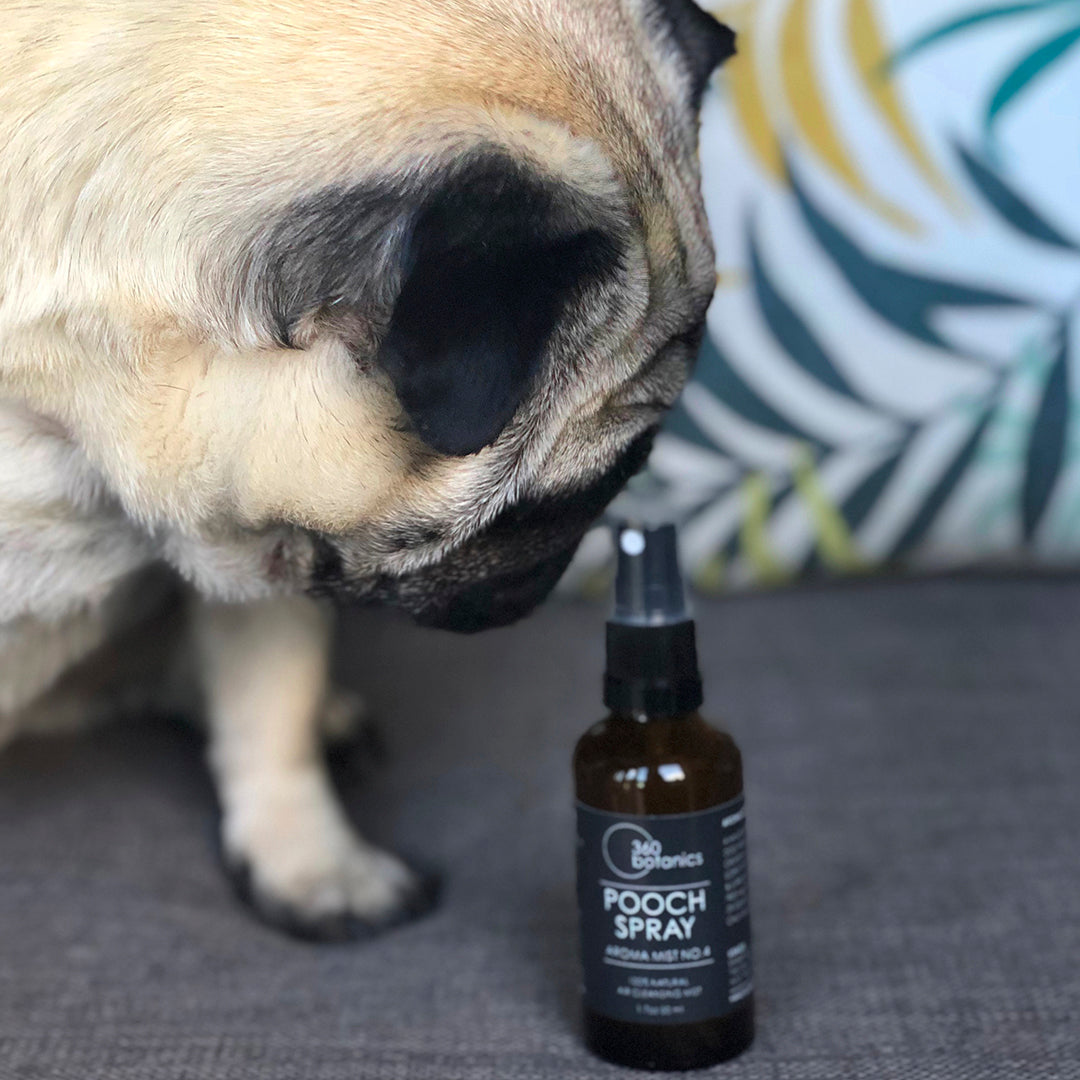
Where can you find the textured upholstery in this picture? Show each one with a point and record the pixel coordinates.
(912, 756)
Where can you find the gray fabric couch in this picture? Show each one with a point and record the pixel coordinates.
(914, 811)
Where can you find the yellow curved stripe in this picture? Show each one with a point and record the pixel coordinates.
(835, 543)
(812, 115)
(755, 532)
(871, 54)
(711, 576)
(747, 97)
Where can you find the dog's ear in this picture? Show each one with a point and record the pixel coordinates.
(704, 41)
(457, 280)
(494, 256)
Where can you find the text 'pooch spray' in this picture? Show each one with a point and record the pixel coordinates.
(662, 878)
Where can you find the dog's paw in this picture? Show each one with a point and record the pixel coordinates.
(318, 881)
(356, 902)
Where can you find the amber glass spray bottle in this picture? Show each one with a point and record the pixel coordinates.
(662, 888)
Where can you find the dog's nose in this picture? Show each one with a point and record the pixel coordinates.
(497, 601)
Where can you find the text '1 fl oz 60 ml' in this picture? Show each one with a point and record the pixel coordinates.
(661, 850)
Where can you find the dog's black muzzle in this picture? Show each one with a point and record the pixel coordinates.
(497, 601)
(502, 573)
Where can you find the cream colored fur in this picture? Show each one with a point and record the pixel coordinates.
(146, 413)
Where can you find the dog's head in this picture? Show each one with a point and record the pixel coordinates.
(393, 295)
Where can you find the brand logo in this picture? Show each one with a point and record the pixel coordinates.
(631, 852)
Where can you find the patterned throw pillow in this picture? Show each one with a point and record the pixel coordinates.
(894, 350)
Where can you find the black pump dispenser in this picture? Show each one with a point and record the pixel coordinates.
(651, 645)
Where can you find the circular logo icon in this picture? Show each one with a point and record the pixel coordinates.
(624, 845)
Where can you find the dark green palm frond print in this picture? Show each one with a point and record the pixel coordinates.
(906, 302)
(1025, 71)
(974, 19)
(797, 448)
(1011, 205)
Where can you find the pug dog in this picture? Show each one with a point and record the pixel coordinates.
(357, 299)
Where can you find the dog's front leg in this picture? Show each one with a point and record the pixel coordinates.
(284, 834)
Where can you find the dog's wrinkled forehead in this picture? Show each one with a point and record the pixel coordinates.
(531, 296)
(458, 265)
(462, 265)
(382, 273)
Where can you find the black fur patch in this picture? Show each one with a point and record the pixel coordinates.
(704, 41)
(462, 278)
(327, 571)
(516, 562)
(496, 601)
(490, 267)
(335, 249)
(502, 573)
(403, 537)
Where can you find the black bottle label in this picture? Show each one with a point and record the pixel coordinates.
(665, 914)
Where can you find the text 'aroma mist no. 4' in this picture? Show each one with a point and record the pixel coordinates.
(662, 885)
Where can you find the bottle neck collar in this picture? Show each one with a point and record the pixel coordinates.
(652, 670)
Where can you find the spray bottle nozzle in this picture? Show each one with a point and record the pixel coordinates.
(651, 651)
(648, 585)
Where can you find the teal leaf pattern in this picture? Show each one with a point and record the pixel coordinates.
(857, 506)
(680, 424)
(718, 376)
(987, 452)
(1024, 72)
(905, 300)
(1016, 210)
(1046, 452)
(967, 22)
(789, 328)
(939, 493)
(1030, 68)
